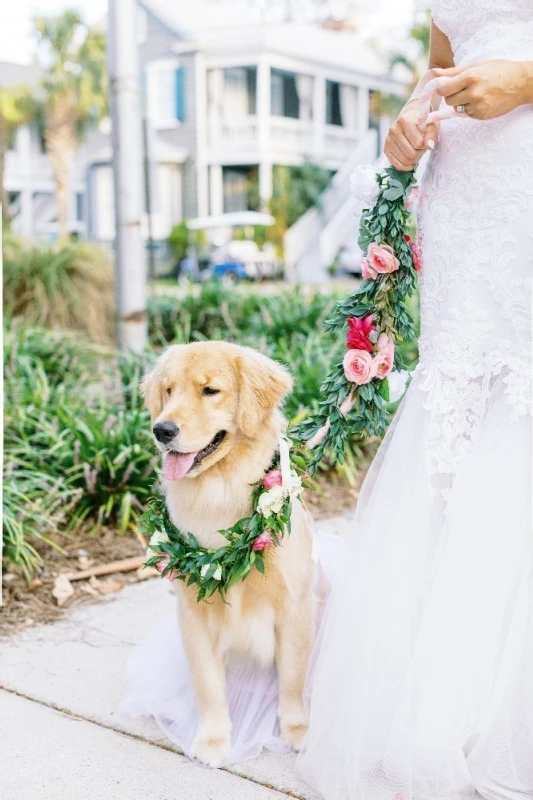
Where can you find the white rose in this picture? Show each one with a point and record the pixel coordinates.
(364, 186)
(295, 486)
(159, 537)
(217, 575)
(271, 502)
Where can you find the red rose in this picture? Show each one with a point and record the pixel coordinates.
(358, 334)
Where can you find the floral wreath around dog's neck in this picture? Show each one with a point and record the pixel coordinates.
(179, 555)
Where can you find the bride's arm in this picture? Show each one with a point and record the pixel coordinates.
(488, 89)
(405, 144)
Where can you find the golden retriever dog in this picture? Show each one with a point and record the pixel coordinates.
(216, 420)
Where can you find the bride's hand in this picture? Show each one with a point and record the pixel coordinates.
(488, 89)
(405, 143)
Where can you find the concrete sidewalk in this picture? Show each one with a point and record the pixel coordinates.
(62, 732)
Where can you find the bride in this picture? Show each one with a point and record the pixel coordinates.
(423, 687)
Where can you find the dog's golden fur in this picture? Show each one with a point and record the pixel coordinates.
(267, 617)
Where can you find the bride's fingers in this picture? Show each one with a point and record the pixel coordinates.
(431, 135)
(453, 85)
(410, 154)
(459, 99)
(396, 157)
(448, 72)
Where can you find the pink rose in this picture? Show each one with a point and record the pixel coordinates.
(160, 566)
(412, 199)
(263, 541)
(358, 367)
(384, 361)
(272, 478)
(381, 258)
(417, 253)
(367, 271)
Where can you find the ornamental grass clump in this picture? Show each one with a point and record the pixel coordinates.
(62, 287)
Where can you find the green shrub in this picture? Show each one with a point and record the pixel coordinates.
(68, 287)
(178, 241)
(76, 440)
(77, 436)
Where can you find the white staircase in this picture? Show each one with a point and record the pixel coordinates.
(312, 243)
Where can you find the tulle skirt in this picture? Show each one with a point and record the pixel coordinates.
(159, 684)
(423, 679)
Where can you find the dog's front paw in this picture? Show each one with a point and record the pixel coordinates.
(293, 723)
(211, 747)
(293, 734)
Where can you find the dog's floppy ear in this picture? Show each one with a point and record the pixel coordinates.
(152, 392)
(263, 384)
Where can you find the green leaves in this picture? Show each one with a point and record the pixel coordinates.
(386, 299)
(215, 570)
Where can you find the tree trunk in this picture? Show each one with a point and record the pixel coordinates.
(61, 145)
(4, 196)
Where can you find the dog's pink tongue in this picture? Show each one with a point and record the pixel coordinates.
(177, 465)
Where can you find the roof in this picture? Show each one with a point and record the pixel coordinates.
(199, 16)
(18, 74)
(221, 28)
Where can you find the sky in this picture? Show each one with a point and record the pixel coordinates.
(15, 20)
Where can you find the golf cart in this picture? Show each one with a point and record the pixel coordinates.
(232, 258)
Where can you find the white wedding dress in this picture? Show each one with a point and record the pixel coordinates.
(423, 686)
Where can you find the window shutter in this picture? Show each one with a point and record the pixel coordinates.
(180, 94)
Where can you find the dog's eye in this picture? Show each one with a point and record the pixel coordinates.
(169, 390)
(208, 390)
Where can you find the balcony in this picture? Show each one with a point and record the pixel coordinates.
(282, 137)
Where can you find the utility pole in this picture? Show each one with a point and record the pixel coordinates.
(128, 178)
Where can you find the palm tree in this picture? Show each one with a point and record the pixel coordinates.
(74, 92)
(416, 61)
(16, 108)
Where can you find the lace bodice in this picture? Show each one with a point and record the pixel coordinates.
(485, 28)
(475, 226)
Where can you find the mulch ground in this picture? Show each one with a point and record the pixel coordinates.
(25, 605)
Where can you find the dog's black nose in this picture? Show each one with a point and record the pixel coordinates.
(164, 432)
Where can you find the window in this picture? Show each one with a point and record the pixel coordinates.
(333, 103)
(166, 90)
(240, 91)
(285, 101)
(240, 188)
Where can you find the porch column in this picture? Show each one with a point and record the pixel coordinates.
(216, 190)
(263, 131)
(263, 106)
(265, 184)
(319, 117)
(202, 179)
(363, 111)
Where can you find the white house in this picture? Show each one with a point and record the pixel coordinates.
(228, 97)
(28, 176)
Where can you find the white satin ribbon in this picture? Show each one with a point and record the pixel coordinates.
(285, 462)
(286, 479)
(425, 115)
